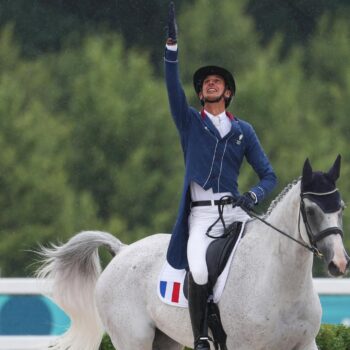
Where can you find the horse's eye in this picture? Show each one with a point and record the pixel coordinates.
(310, 211)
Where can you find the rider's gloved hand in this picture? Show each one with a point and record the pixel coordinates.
(172, 26)
(247, 201)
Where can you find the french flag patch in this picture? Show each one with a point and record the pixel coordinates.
(170, 290)
(170, 286)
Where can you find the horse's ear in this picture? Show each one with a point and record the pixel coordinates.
(334, 171)
(307, 171)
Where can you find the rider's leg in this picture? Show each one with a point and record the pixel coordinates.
(198, 279)
(197, 303)
(199, 221)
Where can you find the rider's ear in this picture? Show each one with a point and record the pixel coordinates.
(228, 93)
(334, 171)
(307, 171)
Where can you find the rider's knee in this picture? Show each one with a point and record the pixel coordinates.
(199, 276)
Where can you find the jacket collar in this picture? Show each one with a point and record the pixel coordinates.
(235, 128)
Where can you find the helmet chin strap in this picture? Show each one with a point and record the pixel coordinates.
(204, 100)
(215, 100)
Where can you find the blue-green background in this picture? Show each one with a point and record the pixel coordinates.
(37, 315)
(31, 315)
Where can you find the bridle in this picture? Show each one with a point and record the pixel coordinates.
(313, 238)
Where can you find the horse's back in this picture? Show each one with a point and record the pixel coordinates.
(136, 263)
(127, 279)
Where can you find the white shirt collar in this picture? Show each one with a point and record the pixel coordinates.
(221, 121)
(219, 116)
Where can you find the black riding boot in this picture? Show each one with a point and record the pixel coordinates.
(197, 303)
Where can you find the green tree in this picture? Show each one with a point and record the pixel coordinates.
(36, 201)
(328, 82)
(296, 20)
(223, 35)
(126, 152)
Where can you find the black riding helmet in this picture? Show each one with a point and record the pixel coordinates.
(203, 72)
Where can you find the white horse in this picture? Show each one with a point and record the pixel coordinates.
(269, 301)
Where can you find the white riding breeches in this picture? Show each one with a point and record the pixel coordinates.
(200, 219)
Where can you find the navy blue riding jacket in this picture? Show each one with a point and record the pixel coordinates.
(211, 161)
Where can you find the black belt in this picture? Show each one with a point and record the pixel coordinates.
(208, 203)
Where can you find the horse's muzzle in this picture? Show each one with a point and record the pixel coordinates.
(338, 267)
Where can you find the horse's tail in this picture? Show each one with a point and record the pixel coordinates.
(74, 268)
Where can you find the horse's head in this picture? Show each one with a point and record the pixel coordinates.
(322, 211)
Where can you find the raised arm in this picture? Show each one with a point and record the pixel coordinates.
(172, 25)
(178, 103)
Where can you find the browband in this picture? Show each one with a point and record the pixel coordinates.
(320, 194)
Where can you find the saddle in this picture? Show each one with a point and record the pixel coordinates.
(217, 256)
(220, 250)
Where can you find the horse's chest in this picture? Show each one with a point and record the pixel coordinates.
(275, 326)
(274, 335)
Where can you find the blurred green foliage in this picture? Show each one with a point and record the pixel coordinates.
(86, 137)
(333, 337)
(43, 26)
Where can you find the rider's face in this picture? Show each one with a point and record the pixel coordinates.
(213, 87)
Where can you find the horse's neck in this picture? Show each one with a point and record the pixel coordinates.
(295, 261)
(286, 213)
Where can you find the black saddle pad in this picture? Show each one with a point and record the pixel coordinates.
(218, 254)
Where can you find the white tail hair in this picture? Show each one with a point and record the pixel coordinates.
(74, 268)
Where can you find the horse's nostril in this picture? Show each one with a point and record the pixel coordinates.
(347, 260)
(334, 269)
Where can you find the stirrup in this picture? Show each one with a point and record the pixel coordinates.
(202, 343)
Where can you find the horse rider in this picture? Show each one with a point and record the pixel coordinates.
(214, 144)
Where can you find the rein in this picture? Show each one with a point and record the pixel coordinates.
(221, 205)
(302, 212)
(312, 248)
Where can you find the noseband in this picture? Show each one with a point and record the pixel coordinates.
(314, 238)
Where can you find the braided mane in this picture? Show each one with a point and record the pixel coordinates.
(279, 198)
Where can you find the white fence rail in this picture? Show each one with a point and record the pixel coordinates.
(332, 286)
(31, 286)
(25, 342)
(23, 286)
